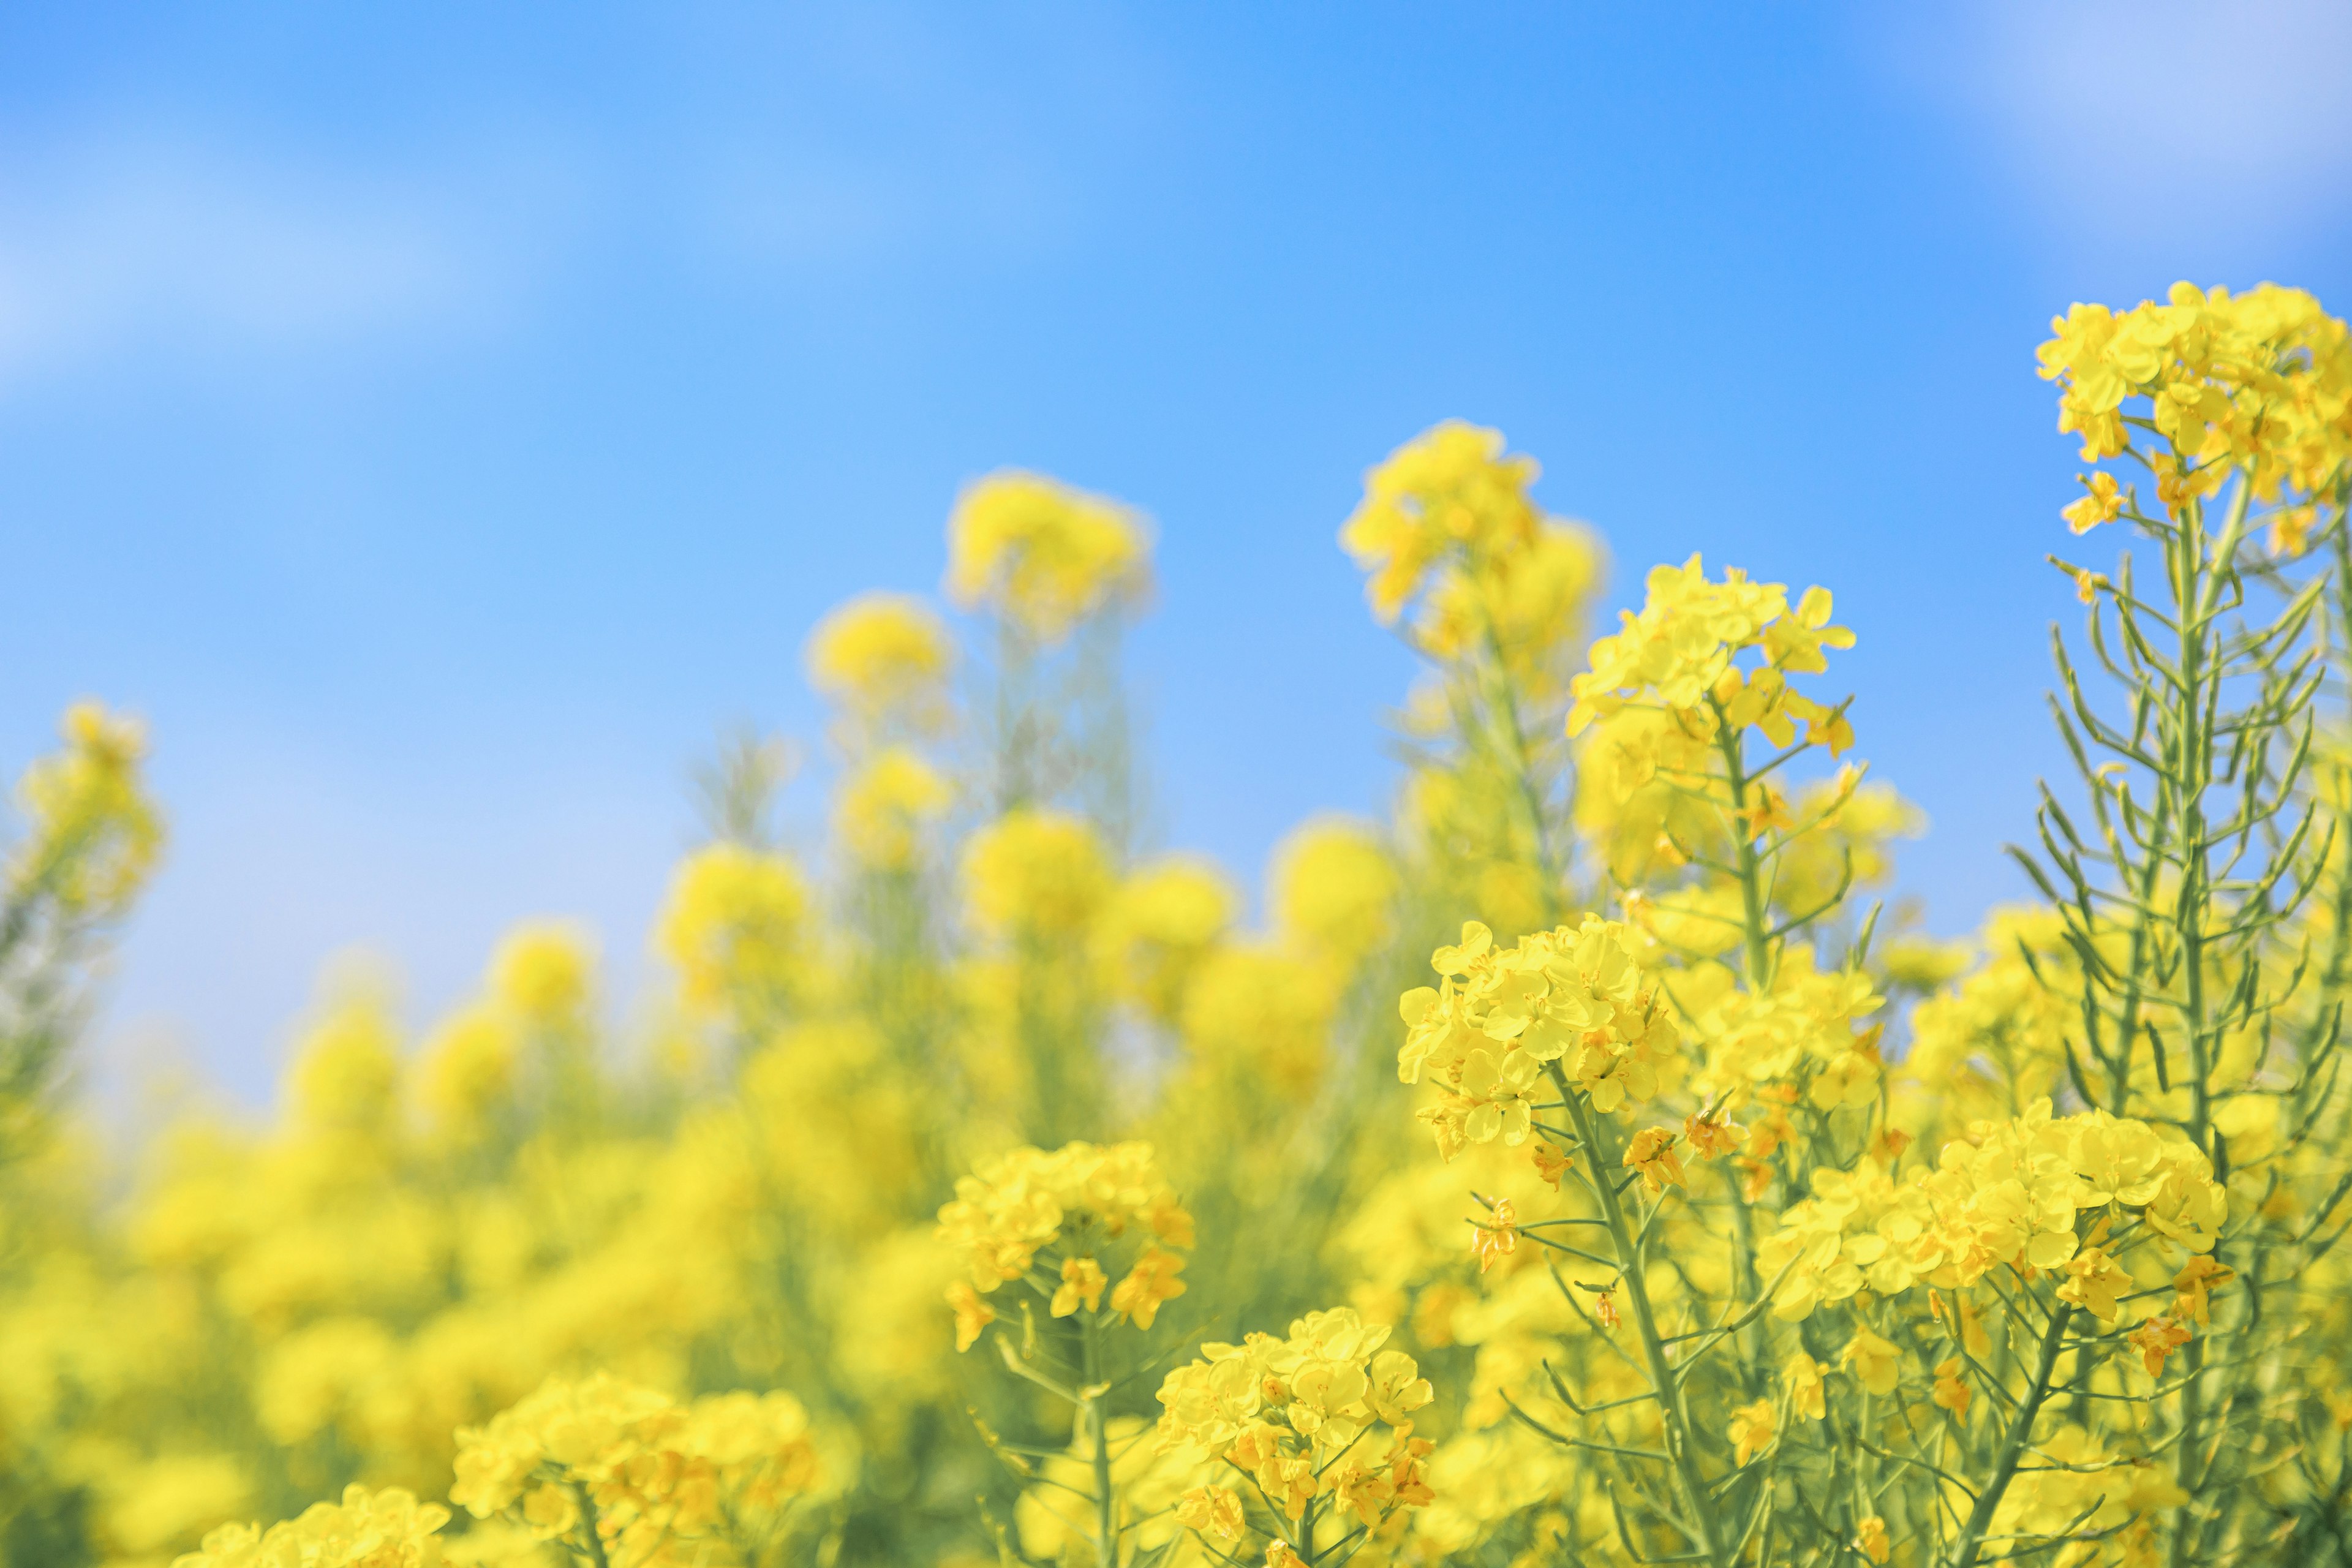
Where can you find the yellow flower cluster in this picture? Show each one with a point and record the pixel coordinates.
(1681, 653)
(93, 835)
(880, 653)
(735, 924)
(886, 804)
(1043, 555)
(387, 1528)
(1290, 1413)
(2259, 382)
(1080, 1199)
(1036, 873)
(1450, 490)
(1484, 1036)
(1803, 1033)
(2010, 1195)
(629, 1477)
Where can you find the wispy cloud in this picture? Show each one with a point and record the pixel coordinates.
(2222, 121)
(126, 243)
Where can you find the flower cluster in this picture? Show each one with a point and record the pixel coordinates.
(1450, 490)
(735, 923)
(1292, 1415)
(2259, 382)
(1043, 555)
(1803, 1033)
(1682, 654)
(1573, 995)
(880, 653)
(93, 834)
(1079, 1200)
(628, 1477)
(2010, 1195)
(1036, 873)
(886, 803)
(387, 1528)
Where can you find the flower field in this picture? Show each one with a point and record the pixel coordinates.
(1579, 1165)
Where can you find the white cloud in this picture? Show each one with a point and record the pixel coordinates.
(2227, 118)
(125, 245)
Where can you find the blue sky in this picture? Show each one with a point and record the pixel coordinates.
(439, 420)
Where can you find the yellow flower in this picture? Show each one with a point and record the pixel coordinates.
(1042, 554)
(735, 925)
(1082, 1285)
(1036, 873)
(1871, 1541)
(1751, 1430)
(387, 1529)
(2199, 1277)
(2156, 1339)
(92, 834)
(1803, 1376)
(880, 653)
(1212, 1511)
(1448, 490)
(1652, 1153)
(1497, 1238)
(1951, 1391)
(884, 806)
(1330, 891)
(2092, 1281)
(2102, 503)
(545, 971)
(1150, 1282)
(972, 1313)
(1873, 1360)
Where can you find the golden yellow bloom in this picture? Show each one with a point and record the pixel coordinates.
(2100, 505)
(885, 804)
(1014, 1207)
(972, 1313)
(880, 653)
(1082, 1286)
(1449, 488)
(387, 1528)
(1279, 1553)
(1042, 554)
(1498, 1237)
(1331, 890)
(1678, 653)
(468, 1068)
(92, 834)
(1951, 1391)
(546, 971)
(735, 926)
(1291, 1413)
(1212, 1511)
(1751, 1430)
(1149, 1284)
(2156, 1339)
(659, 1476)
(1036, 873)
(1569, 995)
(2199, 1277)
(1871, 1541)
(1803, 1376)
(1874, 1361)
(1652, 1153)
(2092, 1281)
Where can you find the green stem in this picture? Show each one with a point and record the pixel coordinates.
(1663, 1384)
(1091, 1412)
(589, 1525)
(2014, 1445)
